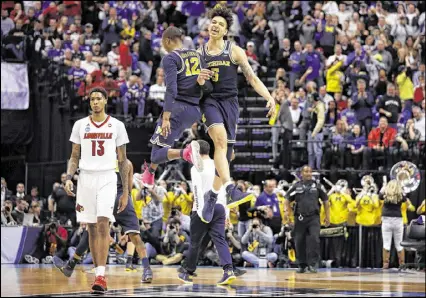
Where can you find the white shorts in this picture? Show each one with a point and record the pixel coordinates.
(96, 193)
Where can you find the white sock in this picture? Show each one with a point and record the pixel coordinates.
(227, 183)
(215, 191)
(100, 271)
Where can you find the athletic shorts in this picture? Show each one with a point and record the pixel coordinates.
(96, 194)
(127, 218)
(182, 117)
(222, 112)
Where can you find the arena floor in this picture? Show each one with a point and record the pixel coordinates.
(45, 280)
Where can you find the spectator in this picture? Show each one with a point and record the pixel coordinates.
(313, 60)
(285, 125)
(86, 86)
(35, 197)
(349, 115)
(76, 74)
(6, 214)
(295, 62)
(146, 56)
(356, 143)
(380, 140)
(111, 29)
(157, 93)
(390, 106)
(57, 53)
(7, 23)
(244, 217)
(283, 55)
(97, 54)
(326, 36)
(110, 85)
(307, 30)
(315, 134)
(153, 212)
(335, 77)
(19, 211)
(381, 84)
(133, 91)
(6, 194)
(405, 86)
(88, 64)
(44, 43)
(419, 121)
(269, 198)
(90, 38)
(20, 193)
(275, 13)
(34, 217)
(17, 13)
(362, 101)
(125, 56)
(407, 147)
(114, 58)
(399, 31)
(337, 149)
(259, 239)
(76, 52)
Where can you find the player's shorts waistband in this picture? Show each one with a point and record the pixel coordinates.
(100, 172)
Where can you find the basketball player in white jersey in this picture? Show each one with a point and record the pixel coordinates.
(98, 141)
(202, 182)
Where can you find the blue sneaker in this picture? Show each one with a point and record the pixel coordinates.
(236, 197)
(64, 267)
(208, 208)
(186, 278)
(227, 278)
(147, 275)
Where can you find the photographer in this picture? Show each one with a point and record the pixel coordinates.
(175, 242)
(269, 199)
(52, 242)
(65, 205)
(259, 239)
(153, 210)
(183, 197)
(6, 214)
(185, 220)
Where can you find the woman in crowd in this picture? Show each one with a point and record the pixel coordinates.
(392, 222)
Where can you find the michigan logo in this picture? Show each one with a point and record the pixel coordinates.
(203, 118)
(79, 208)
(159, 130)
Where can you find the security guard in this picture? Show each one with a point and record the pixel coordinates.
(306, 219)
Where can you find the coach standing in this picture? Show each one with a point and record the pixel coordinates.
(306, 219)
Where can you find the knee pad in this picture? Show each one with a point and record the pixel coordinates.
(159, 155)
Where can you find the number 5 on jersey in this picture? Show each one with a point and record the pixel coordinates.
(98, 148)
(192, 66)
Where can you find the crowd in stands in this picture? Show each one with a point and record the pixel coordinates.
(350, 79)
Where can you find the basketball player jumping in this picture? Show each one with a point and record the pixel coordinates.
(182, 68)
(130, 225)
(97, 142)
(221, 108)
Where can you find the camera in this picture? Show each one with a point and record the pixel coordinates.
(7, 209)
(174, 212)
(171, 227)
(255, 226)
(52, 226)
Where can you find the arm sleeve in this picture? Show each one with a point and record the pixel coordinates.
(75, 134)
(290, 194)
(122, 137)
(170, 69)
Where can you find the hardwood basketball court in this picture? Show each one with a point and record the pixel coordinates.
(45, 280)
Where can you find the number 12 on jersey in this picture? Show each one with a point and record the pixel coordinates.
(98, 148)
(192, 66)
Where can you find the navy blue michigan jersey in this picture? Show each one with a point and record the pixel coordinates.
(182, 68)
(225, 78)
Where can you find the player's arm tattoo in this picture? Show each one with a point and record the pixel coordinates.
(123, 166)
(248, 71)
(74, 160)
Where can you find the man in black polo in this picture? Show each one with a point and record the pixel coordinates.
(307, 193)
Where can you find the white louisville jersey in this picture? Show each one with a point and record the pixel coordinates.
(98, 142)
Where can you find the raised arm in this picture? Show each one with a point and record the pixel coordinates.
(239, 56)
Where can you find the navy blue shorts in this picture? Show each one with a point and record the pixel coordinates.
(182, 118)
(127, 219)
(224, 112)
